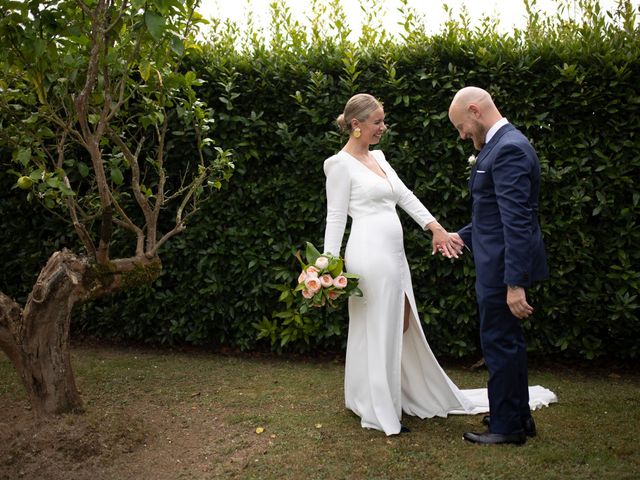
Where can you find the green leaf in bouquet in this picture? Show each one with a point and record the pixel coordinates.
(356, 292)
(312, 253)
(302, 264)
(317, 298)
(335, 266)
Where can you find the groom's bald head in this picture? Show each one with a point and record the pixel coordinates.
(476, 98)
(473, 112)
(471, 95)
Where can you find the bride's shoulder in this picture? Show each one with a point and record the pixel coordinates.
(337, 161)
(334, 158)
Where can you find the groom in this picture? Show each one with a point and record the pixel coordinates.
(508, 251)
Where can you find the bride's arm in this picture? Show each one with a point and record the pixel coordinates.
(338, 194)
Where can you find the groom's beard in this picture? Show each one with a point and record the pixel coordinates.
(479, 135)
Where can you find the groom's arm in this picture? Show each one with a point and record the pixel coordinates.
(465, 235)
(512, 175)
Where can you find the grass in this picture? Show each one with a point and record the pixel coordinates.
(161, 414)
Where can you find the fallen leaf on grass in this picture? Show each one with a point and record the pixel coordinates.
(259, 430)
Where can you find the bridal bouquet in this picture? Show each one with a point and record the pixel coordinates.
(322, 279)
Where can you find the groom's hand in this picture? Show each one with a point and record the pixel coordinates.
(457, 241)
(444, 242)
(450, 246)
(517, 301)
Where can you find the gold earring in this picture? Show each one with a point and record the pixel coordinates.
(357, 132)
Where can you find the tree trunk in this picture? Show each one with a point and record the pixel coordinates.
(36, 339)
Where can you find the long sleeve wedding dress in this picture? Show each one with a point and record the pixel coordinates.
(388, 372)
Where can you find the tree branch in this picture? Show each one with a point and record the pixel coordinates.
(80, 228)
(84, 7)
(132, 159)
(152, 227)
(180, 221)
(92, 139)
(127, 223)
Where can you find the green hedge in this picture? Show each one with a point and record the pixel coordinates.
(572, 88)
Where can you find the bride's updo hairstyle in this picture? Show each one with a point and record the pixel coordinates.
(360, 106)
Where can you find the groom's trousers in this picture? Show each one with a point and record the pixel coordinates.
(505, 355)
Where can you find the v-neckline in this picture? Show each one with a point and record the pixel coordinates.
(386, 175)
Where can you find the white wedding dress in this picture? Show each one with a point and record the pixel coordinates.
(388, 372)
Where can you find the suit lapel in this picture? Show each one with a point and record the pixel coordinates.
(492, 143)
(484, 152)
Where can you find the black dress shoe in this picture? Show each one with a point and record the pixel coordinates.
(529, 425)
(404, 429)
(488, 438)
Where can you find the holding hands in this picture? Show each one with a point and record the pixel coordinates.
(450, 245)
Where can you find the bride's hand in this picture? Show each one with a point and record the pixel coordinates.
(443, 242)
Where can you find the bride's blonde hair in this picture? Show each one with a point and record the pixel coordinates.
(360, 106)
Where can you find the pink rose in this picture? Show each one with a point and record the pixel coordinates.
(302, 277)
(333, 294)
(326, 280)
(322, 262)
(307, 294)
(340, 281)
(313, 284)
(312, 271)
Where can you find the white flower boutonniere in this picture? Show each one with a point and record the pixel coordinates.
(471, 160)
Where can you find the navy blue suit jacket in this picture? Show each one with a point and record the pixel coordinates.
(504, 234)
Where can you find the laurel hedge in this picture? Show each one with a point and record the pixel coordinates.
(572, 88)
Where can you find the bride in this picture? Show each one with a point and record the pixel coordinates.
(389, 365)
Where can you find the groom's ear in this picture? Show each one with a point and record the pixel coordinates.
(474, 110)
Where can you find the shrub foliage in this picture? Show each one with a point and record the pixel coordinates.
(571, 86)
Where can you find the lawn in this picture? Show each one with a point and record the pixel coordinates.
(163, 414)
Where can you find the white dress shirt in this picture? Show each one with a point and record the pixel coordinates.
(496, 126)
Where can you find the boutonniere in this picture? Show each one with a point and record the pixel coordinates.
(472, 160)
